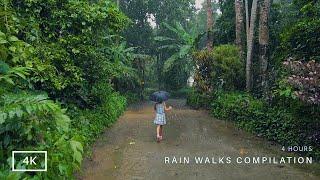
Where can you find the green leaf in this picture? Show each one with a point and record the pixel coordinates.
(184, 50)
(12, 48)
(169, 62)
(173, 46)
(75, 51)
(13, 176)
(8, 80)
(163, 38)
(76, 146)
(13, 39)
(62, 121)
(77, 150)
(3, 41)
(3, 117)
(77, 156)
(62, 168)
(4, 67)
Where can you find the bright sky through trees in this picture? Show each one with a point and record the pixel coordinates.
(199, 4)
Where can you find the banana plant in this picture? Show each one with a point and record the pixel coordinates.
(183, 44)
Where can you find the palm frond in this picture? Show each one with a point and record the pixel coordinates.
(184, 50)
(170, 46)
(169, 62)
(163, 38)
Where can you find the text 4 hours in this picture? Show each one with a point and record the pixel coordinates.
(297, 148)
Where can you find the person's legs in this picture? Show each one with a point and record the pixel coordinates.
(161, 130)
(158, 133)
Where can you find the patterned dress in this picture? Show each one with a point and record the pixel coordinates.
(160, 118)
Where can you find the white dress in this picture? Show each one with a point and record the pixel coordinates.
(160, 118)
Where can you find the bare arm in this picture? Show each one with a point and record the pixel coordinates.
(167, 108)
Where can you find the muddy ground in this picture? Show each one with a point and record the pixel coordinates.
(128, 150)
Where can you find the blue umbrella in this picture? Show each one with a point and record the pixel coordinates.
(159, 96)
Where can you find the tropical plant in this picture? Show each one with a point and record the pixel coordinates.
(305, 80)
(183, 44)
(56, 63)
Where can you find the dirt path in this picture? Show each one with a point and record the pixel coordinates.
(128, 150)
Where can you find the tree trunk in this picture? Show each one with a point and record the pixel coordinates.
(264, 41)
(250, 44)
(247, 18)
(209, 26)
(238, 4)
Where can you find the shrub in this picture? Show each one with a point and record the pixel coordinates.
(301, 39)
(280, 124)
(90, 123)
(305, 80)
(220, 69)
(228, 67)
(181, 93)
(64, 140)
(196, 99)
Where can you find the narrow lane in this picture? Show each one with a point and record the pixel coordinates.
(128, 151)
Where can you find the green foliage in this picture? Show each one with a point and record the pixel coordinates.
(33, 121)
(220, 69)
(139, 33)
(299, 34)
(149, 22)
(22, 105)
(283, 91)
(179, 64)
(277, 123)
(224, 27)
(28, 120)
(72, 44)
(181, 93)
(302, 40)
(183, 44)
(96, 120)
(68, 50)
(196, 99)
(228, 66)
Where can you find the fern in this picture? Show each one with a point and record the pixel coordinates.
(25, 104)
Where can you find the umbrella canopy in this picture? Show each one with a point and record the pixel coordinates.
(159, 96)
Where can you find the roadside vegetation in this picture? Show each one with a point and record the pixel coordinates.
(69, 68)
(280, 98)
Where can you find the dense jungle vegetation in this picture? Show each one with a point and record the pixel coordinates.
(68, 69)
(264, 77)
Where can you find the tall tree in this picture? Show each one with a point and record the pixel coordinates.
(209, 25)
(247, 17)
(264, 40)
(250, 44)
(238, 4)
